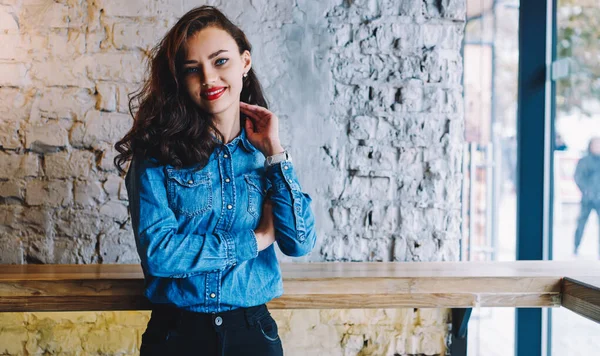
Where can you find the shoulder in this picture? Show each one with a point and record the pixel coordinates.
(148, 168)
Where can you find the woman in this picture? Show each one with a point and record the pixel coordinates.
(210, 189)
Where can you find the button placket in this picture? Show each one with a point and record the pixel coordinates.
(228, 190)
(213, 280)
(228, 165)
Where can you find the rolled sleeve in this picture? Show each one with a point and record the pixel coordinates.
(243, 245)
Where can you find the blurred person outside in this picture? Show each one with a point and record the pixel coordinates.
(587, 178)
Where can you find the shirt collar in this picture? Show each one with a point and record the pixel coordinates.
(242, 140)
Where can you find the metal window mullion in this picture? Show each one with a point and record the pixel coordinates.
(534, 161)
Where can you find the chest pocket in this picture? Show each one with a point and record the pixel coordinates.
(189, 193)
(257, 187)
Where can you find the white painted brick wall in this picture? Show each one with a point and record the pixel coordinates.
(370, 100)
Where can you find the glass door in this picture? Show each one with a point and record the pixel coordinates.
(491, 59)
(576, 189)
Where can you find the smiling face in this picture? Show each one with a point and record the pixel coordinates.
(213, 70)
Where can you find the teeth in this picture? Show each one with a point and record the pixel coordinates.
(215, 92)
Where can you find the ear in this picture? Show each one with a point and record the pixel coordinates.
(246, 61)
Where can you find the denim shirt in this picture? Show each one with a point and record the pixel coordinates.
(194, 229)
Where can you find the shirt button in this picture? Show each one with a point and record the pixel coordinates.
(218, 321)
(212, 295)
(225, 155)
(229, 206)
(227, 180)
(285, 167)
(190, 181)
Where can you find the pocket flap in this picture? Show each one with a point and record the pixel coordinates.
(188, 178)
(257, 182)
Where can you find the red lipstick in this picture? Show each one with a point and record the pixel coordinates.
(213, 93)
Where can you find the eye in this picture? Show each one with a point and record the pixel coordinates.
(189, 70)
(219, 61)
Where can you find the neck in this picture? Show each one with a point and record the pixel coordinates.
(228, 123)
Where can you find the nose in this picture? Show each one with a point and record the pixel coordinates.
(209, 76)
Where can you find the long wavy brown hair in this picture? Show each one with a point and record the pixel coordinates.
(167, 125)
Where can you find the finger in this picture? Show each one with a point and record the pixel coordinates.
(255, 118)
(245, 109)
(248, 105)
(258, 110)
(249, 125)
(249, 116)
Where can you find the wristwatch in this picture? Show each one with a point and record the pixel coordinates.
(276, 158)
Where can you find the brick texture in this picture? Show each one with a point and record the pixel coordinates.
(370, 100)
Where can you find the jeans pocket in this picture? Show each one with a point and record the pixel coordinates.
(159, 335)
(268, 328)
(161, 343)
(155, 337)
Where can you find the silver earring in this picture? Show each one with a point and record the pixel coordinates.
(245, 75)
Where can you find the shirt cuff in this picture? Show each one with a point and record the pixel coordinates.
(241, 246)
(283, 176)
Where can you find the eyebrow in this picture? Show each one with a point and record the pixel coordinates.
(189, 61)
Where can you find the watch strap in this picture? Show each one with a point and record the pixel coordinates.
(276, 158)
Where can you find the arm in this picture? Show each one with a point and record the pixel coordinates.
(581, 175)
(293, 218)
(163, 250)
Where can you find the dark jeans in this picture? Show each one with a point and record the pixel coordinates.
(586, 208)
(244, 331)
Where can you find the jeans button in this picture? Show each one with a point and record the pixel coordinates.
(218, 321)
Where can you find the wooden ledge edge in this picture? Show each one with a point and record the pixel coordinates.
(582, 296)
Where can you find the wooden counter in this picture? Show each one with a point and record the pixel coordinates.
(327, 286)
